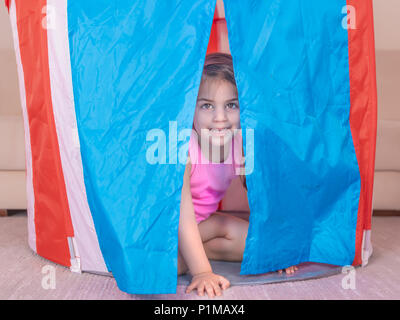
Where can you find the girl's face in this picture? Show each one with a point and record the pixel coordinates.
(217, 112)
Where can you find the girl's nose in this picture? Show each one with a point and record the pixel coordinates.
(220, 114)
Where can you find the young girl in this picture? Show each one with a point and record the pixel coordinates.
(214, 149)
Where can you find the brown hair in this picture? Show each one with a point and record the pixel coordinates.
(220, 66)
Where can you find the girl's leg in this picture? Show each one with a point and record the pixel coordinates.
(224, 236)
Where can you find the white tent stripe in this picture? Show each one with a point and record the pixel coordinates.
(85, 235)
(28, 153)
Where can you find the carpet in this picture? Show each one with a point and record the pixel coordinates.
(22, 274)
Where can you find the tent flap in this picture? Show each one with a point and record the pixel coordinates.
(136, 66)
(291, 66)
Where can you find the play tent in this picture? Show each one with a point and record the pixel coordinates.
(96, 76)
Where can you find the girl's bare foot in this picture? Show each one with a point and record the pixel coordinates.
(289, 270)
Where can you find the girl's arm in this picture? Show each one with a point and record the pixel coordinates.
(192, 249)
(190, 244)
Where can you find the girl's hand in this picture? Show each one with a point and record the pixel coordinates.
(210, 282)
(289, 270)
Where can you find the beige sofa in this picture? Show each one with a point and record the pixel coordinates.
(12, 147)
(387, 162)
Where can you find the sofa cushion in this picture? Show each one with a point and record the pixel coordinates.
(386, 190)
(388, 146)
(12, 144)
(9, 91)
(388, 79)
(13, 190)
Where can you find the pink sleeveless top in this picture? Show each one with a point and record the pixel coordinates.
(208, 180)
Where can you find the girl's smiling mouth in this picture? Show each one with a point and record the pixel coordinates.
(220, 131)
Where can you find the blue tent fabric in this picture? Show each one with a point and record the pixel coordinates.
(291, 67)
(136, 66)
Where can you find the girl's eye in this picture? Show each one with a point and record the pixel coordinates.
(232, 106)
(207, 106)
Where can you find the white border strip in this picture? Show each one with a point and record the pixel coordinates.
(366, 247)
(28, 152)
(85, 236)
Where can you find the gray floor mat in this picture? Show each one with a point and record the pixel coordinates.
(231, 270)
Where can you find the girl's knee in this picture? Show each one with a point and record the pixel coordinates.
(234, 228)
(236, 237)
(230, 244)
